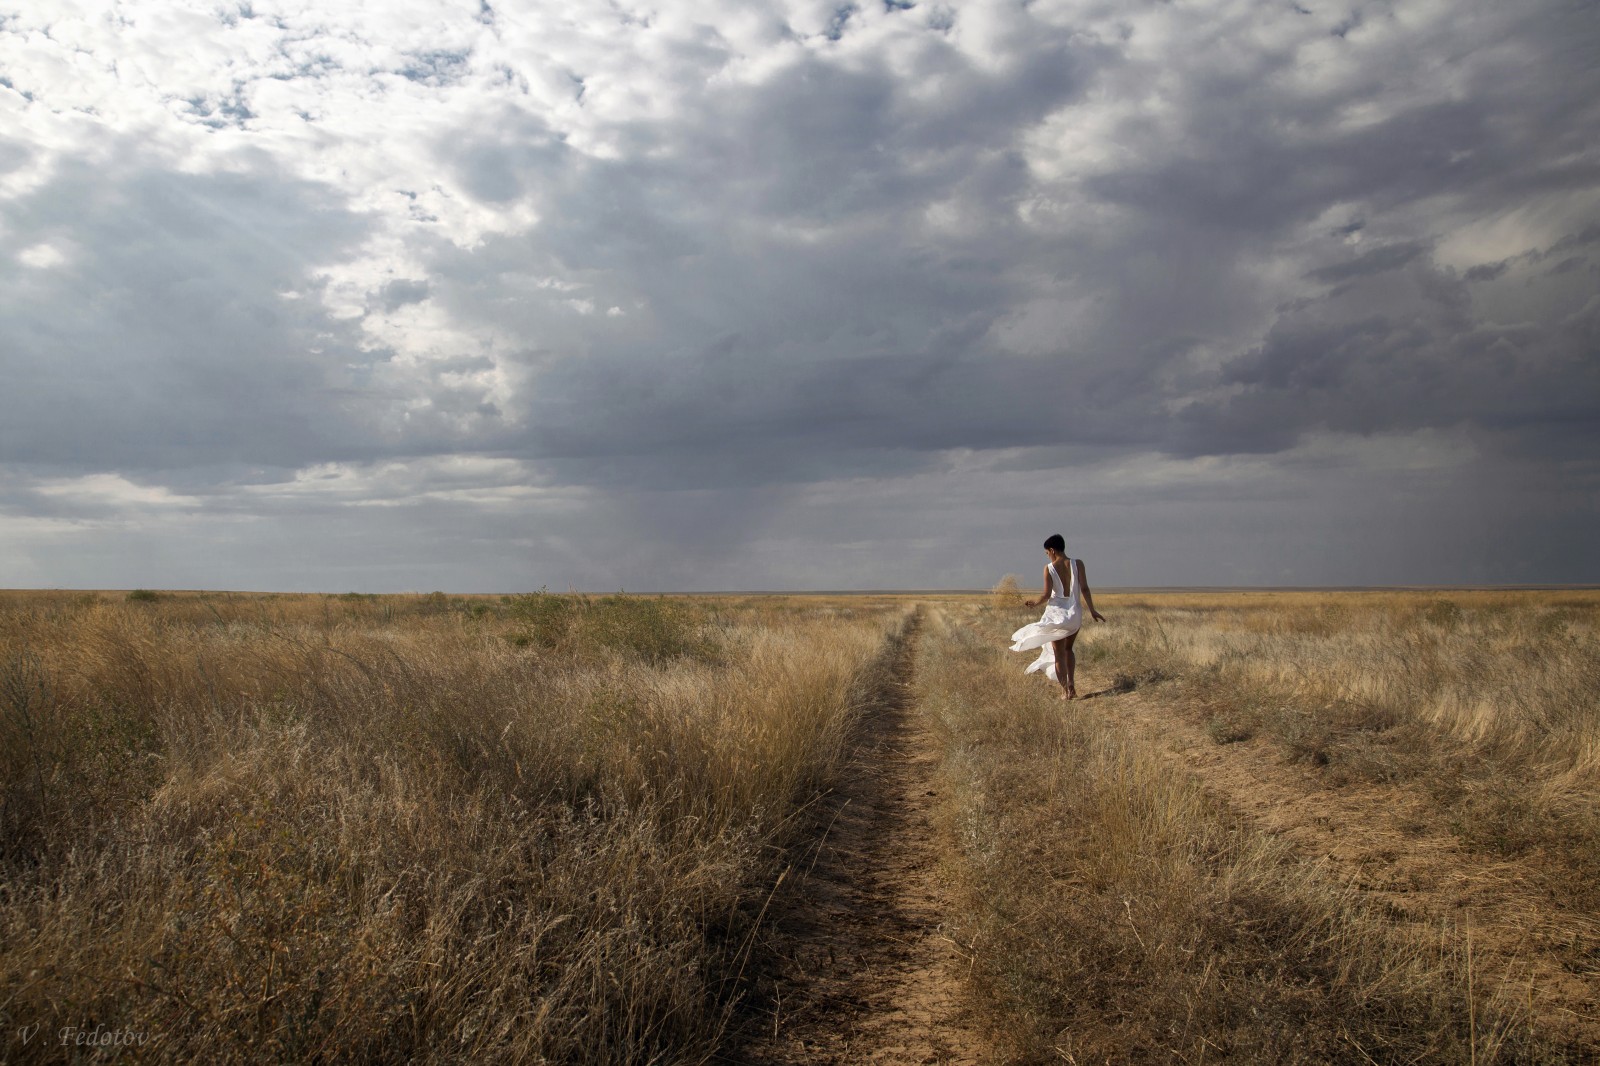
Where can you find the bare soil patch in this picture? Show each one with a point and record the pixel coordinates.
(1385, 841)
(861, 969)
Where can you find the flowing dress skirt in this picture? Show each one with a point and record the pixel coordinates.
(1059, 621)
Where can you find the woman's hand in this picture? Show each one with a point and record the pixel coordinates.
(1029, 603)
(1096, 615)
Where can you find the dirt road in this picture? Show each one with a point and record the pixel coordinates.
(864, 973)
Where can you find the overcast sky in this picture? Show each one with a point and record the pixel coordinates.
(482, 295)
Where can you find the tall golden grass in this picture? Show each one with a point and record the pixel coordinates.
(397, 829)
(546, 828)
(1487, 700)
(1113, 912)
(1515, 673)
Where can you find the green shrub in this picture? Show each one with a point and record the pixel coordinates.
(655, 629)
(1446, 614)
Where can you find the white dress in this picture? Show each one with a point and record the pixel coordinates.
(1063, 615)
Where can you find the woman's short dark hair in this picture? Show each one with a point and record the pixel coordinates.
(1055, 541)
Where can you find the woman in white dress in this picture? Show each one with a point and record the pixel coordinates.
(1066, 593)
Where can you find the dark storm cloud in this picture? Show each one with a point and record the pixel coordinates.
(787, 301)
(699, 271)
(868, 346)
(789, 314)
(1377, 261)
(1404, 350)
(398, 294)
(183, 326)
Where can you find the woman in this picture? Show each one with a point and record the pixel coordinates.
(1066, 592)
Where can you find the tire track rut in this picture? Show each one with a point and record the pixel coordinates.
(863, 972)
(1385, 842)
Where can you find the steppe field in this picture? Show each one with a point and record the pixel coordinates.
(1282, 827)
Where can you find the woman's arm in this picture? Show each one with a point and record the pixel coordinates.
(1088, 597)
(1043, 596)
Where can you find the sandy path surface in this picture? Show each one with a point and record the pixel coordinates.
(1387, 842)
(864, 973)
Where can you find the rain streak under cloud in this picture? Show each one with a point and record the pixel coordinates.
(488, 296)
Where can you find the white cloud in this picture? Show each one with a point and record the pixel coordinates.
(112, 491)
(42, 256)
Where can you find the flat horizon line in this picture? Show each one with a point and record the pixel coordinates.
(1107, 590)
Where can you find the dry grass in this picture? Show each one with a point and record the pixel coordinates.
(1490, 701)
(1116, 913)
(307, 828)
(1515, 673)
(1006, 594)
(545, 828)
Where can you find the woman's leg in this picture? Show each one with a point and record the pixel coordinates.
(1072, 666)
(1064, 664)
